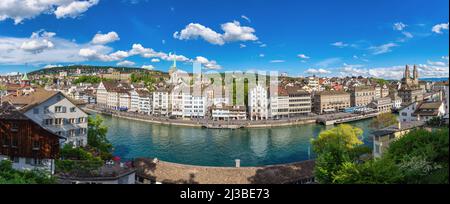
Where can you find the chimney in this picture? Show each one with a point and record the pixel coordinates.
(238, 163)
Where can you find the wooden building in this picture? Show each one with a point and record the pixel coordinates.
(24, 142)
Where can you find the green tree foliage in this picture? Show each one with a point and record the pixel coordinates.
(419, 157)
(88, 79)
(384, 120)
(423, 155)
(383, 171)
(335, 147)
(8, 175)
(97, 137)
(435, 122)
(77, 160)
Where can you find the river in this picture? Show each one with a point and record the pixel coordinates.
(213, 147)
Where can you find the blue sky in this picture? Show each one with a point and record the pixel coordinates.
(323, 37)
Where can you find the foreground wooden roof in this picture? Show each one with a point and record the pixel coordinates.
(173, 173)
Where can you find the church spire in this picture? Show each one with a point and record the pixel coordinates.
(175, 61)
(407, 72)
(415, 73)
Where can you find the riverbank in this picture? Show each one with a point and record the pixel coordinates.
(201, 123)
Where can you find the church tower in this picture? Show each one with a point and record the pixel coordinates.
(415, 76)
(407, 77)
(25, 81)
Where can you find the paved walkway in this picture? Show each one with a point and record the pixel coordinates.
(207, 123)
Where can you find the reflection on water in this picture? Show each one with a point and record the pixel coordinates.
(208, 147)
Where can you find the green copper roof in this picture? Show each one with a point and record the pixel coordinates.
(25, 77)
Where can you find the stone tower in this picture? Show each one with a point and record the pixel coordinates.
(415, 76)
(407, 77)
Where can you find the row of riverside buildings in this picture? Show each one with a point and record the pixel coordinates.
(175, 99)
(34, 123)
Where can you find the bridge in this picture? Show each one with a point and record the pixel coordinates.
(353, 117)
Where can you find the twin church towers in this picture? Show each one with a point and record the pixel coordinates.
(407, 80)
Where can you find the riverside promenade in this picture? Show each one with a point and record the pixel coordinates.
(329, 119)
(203, 123)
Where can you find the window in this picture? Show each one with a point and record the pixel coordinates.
(58, 109)
(71, 120)
(5, 141)
(15, 142)
(58, 121)
(14, 127)
(15, 159)
(48, 121)
(36, 145)
(37, 162)
(72, 110)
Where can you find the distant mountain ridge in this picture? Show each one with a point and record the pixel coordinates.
(434, 79)
(89, 69)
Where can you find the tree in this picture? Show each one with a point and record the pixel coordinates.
(8, 175)
(335, 147)
(435, 122)
(97, 136)
(423, 155)
(379, 171)
(419, 157)
(384, 120)
(2, 88)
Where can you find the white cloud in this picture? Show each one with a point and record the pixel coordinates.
(119, 55)
(439, 27)
(102, 39)
(207, 63)
(93, 54)
(262, 55)
(171, 57)
(340, 44)
(74, 9)
(195, 30)
(233, 31)
(433, 69)
(126, 63)
(155, 60)
(38, 42)
(149, 67)
(277, 61)
(263, 45)
(399, 26)
(303, 56)
(37, 45)
(317, 71)
(246, 18)
(52, 66)
(20, 10)
(328, 62)
(385, 48)
(242, 45)
(138, 49)
(438, 63)
(37, 50)
(353, 70)
(408, 34)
